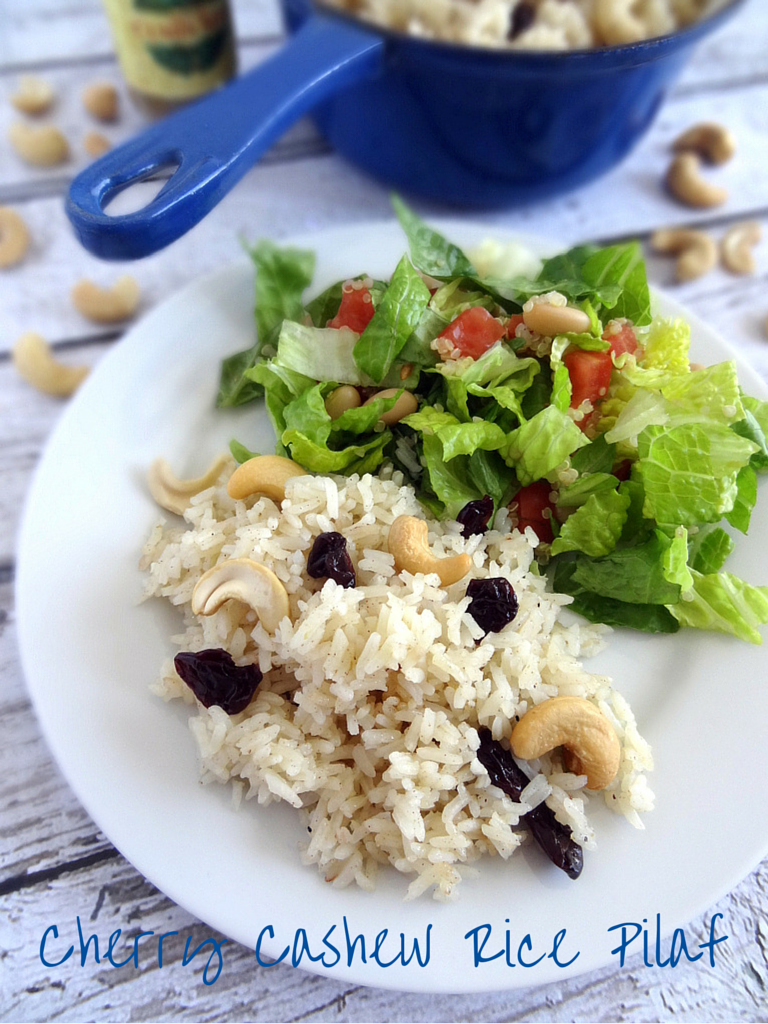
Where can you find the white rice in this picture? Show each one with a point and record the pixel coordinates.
(366, 720)
(538, 24)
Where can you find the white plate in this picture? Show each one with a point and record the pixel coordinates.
(90, 653)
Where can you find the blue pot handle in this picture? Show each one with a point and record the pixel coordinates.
(214, 142)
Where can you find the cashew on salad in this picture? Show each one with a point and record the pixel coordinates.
(558, 394)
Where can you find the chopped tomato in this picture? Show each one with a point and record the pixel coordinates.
(624, 340)
(515, 320)
(473, 331)
(590, 374)
(534, 509)
(356, 307)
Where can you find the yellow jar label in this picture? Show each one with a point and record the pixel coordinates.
(173, 49)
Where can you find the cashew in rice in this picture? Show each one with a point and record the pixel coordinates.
(247, 581)
(711, 141)
(14, 237)
(404, 406)
(101, 101)
(263, 474)
(591, 745)
(737, 245)
(548, 319)
(35, 362)
(107, 305)
(696, 251)
(96, 145)
(173, 493)
(34, 96)
(685, 182)
(616, 22)
(41, 146)
(409, 543)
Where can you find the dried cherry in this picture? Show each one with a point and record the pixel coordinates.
(330, 559)
(475, 516)
(214, 678)
(523, 16)
(555, 839)
(494, 603)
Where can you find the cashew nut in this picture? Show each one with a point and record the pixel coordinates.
(173, 493)
(615, 22)
(696, 251)
(263, 474)
(101, 101)
(548, 319)
(736, 247)
(404, 406)
(96, 145)
(711, 141)
(685, 183)
(34, 96)
(242, 579)
(409, 543)
(341, 399)
(14, 237)
(591, 744)
(41, 146)
(34, 360)
(106, 305)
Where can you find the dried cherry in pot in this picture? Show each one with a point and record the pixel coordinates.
(494, 603)
(330, 559)
(214, 678)
(475, 516)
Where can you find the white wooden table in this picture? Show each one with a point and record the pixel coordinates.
(54, 862)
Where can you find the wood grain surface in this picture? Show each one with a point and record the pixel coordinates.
(55, 865)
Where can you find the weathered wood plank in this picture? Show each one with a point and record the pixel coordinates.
(18, 179)
(111, 895)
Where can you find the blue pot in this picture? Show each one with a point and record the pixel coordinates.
(471, 127)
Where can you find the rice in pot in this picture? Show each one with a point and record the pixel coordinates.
(366, 719)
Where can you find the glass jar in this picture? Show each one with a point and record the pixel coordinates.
(172, 51)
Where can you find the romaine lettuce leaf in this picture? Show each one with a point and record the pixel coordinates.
(666, 346)
(726, 603)
(281, 387)
(450, 481)
(710, 394)
(636, 575)
(708, 549)
(746, 496)
(576, 494)
(621, 268)
(322, 353)
(541, 444)
(675, 560)
(282, 275)
(650, 618)
(397, 316)
(754, 429)
(595, 526)
(689, 472)
(596, 457)
(430, 252)
(456, 437)
(561, 380)
(318, 458)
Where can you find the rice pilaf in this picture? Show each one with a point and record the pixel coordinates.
(366, 719)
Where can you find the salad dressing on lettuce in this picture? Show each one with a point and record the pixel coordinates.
(633, 468)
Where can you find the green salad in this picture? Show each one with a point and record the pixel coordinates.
(559, 395)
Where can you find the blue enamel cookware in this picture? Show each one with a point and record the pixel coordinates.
(465, 126)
